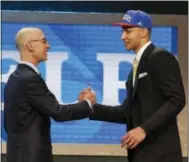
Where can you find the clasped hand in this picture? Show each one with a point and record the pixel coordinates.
(87, 94)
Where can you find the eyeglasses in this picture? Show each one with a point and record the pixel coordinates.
(43, 40)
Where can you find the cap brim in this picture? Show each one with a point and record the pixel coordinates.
(123, 24)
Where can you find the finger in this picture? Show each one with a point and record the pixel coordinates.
(128, 139)
(134, 145)
(88, 97)
(82, 94)
(125, 141)
(124, 144)
(91, 98)
(85, 91)
(124, 137)
(131, 143)
(89, 88)
(81, 97)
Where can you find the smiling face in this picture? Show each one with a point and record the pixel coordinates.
(134, 37)
(32, 45)
(38, 46)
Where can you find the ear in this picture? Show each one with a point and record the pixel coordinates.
(29, 46)
(144, 33)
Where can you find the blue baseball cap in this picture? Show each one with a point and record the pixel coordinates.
(135, 18)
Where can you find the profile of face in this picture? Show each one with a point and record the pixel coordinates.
(38, 46)
(132, 37)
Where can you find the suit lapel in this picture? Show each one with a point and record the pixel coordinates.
(142, 62)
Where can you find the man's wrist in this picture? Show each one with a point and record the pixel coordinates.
(90, 104)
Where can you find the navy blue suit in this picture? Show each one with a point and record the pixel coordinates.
(29, 104)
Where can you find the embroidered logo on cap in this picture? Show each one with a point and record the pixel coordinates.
(127, 18)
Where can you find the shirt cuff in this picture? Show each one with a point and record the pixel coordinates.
(90, 105)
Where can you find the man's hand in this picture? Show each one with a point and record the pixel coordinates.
(133, 138)
(87, 94)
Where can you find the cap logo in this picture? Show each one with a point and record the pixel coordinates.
(127, 18)
(140, 23)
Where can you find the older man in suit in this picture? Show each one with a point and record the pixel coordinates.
(155, 96)
(29, 103)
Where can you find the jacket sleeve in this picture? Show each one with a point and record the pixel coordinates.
(168, 78)
(45, 102)
(115, 114)
(5, 122)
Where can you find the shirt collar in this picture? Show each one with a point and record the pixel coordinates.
(141, 51)
(30, 65)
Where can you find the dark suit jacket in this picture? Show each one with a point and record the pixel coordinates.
(152, 103)
(28, 107)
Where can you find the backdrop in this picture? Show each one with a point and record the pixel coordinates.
(81, 55)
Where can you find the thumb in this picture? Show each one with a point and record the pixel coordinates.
(89, 88)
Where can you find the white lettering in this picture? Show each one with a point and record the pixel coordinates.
(53, 73)
(110, 70)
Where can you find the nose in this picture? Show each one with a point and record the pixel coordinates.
(123, 36)
(47, 45)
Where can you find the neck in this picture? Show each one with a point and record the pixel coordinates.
(28, 57)
(140, 45)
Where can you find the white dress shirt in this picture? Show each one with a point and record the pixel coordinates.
(30, 65)
(141, 51)
(139, 54)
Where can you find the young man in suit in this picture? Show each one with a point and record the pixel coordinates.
(29, 103)
(155, 96)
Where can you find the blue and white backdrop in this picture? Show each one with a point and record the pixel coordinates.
(82, 55)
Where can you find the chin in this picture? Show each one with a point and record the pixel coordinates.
(128, 48)
(42, 60)
(45, 58)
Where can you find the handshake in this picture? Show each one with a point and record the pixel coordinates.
(87, 94)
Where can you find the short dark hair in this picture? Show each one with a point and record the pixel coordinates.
(149, 30)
